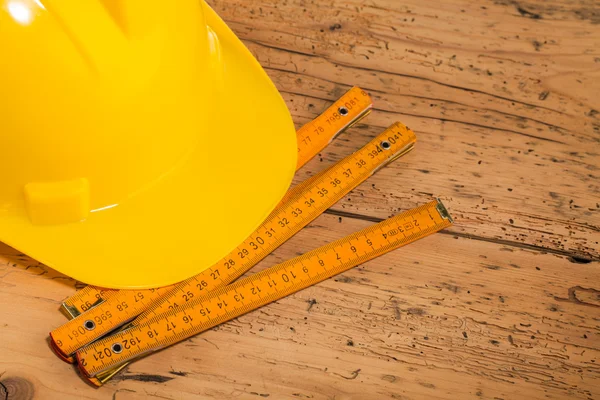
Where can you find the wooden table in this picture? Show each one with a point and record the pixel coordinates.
(504, 98)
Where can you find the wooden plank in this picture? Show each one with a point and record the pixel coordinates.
(503, 305)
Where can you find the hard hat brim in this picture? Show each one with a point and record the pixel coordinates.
(198, 212)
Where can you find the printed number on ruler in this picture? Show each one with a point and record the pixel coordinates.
(257, 290)
(347, 111)
(313, 137)
(84, 300)
(285, 221)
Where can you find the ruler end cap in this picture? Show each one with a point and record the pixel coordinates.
(59, 352)
(444, 213)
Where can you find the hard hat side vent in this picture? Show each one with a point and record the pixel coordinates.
(53, 203)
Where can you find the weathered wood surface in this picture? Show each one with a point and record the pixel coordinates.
(503, 96)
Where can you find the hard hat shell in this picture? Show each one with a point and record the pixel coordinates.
(141, 141)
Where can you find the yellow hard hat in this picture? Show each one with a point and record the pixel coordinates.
(141, 141)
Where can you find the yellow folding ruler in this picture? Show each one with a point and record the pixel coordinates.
(313, 137)
(305, 202)
(99, 360)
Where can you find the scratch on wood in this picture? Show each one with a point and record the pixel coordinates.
(572, 296)
(142, 378)
(528, 14)
(353, 374)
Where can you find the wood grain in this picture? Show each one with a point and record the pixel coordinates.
(504, 305)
